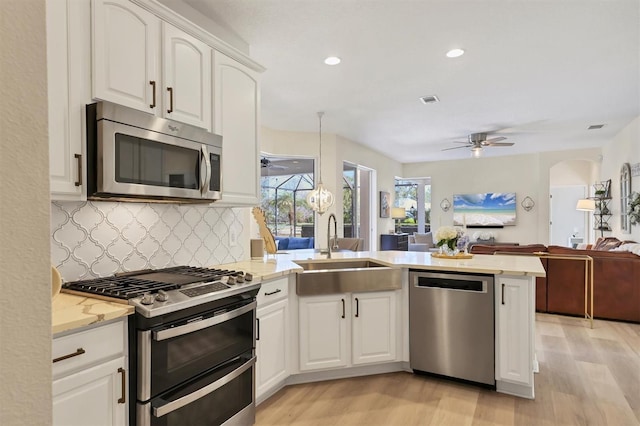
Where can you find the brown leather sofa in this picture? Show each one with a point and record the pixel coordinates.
(616, 277)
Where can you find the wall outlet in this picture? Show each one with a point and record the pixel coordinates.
(233, 237)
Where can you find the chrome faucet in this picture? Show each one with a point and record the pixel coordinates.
(333, 246)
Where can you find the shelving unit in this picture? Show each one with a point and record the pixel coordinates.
(602, 213)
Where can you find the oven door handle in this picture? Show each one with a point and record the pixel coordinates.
(168, 333)
(188, 399)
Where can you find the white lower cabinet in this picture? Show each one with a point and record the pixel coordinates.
(272, 346)
(90, 376)
(273, 336)
(339, 330)
(323, 331)
(374, 327)
(91, 396)
(515, 345)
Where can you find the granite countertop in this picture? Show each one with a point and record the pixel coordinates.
(280, 264)
(69, 312)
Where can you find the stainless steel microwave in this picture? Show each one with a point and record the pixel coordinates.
(135, 156)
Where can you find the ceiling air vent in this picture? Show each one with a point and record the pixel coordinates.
(595, 126)
(429, 99)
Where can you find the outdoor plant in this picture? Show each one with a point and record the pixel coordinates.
(634, 208)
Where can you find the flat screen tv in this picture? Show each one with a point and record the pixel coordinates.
(488, 210)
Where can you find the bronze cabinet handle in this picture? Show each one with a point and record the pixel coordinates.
(123, 399)
(342, 308)
(170, 90)
(78, 351)
(79, 159)
(503, 293)
(273, 292)
(357, 308)
(153, 102)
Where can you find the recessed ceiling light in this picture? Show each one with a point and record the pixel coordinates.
(332, 60)
(429, 99)
(454, 53)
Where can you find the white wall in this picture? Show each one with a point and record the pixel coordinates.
(25, 318)
(335, 150)
(572, 172)
(526, 175)
(624, 148)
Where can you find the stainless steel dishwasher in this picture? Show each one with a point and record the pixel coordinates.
(451, 325)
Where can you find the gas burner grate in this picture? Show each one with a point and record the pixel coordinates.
(119, 287)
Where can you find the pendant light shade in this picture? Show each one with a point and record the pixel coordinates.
(320, 198)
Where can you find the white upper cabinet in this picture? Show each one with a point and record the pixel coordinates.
(144, 63)
(69, 89)
(126, 55)
(186, 71)
(237, 119)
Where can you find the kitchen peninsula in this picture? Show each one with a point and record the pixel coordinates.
(311, 338)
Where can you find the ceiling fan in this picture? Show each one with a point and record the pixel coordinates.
(477, 141)
(268, 164)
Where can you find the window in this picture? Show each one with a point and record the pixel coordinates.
(415, 196)
(284, 185)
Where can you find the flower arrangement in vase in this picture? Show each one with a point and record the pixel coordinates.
(451, 240)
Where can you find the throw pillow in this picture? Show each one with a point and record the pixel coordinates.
(424, 239)
(606, 244)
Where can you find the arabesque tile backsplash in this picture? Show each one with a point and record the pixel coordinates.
(97, 239)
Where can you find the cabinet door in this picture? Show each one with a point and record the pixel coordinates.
(186, 75)
(323, 331)
(374, 329)
(68, 35)
(272, 348)
(126, 52)
(91, 396)
(514, 339)
(237, 119)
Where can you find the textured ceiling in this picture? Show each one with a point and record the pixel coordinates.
(537, 72)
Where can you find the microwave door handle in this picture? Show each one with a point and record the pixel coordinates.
(205, 180)
(168, 333)
(188, 399)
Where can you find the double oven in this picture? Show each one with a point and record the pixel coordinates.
(191, 345)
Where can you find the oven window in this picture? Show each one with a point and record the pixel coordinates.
(180, 358)
(148, 162)
(214, 408)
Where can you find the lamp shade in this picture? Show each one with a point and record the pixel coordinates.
(398, 213)
(586, 205)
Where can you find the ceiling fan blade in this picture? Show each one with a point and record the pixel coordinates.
(498, 139)
(455, 147)
(499, 144)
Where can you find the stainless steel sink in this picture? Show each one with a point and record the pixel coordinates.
(345, 276)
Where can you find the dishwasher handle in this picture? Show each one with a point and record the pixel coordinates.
(478, 285)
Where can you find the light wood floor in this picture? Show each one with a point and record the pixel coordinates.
(587, 377)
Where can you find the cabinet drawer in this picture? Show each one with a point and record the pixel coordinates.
(272, 291)
(91, 346)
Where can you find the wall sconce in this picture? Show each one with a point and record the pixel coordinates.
(528, 203)
(445, 205)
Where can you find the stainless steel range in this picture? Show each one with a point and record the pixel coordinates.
(191, 343)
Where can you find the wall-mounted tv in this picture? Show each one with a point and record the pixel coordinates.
(488, 210)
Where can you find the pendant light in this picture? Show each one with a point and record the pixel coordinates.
(320, 199)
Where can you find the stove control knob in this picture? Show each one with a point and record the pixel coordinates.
(147, 299)
(239, 279)
(224, 279)
(248, 277)
(162, 296)
(232, 280)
